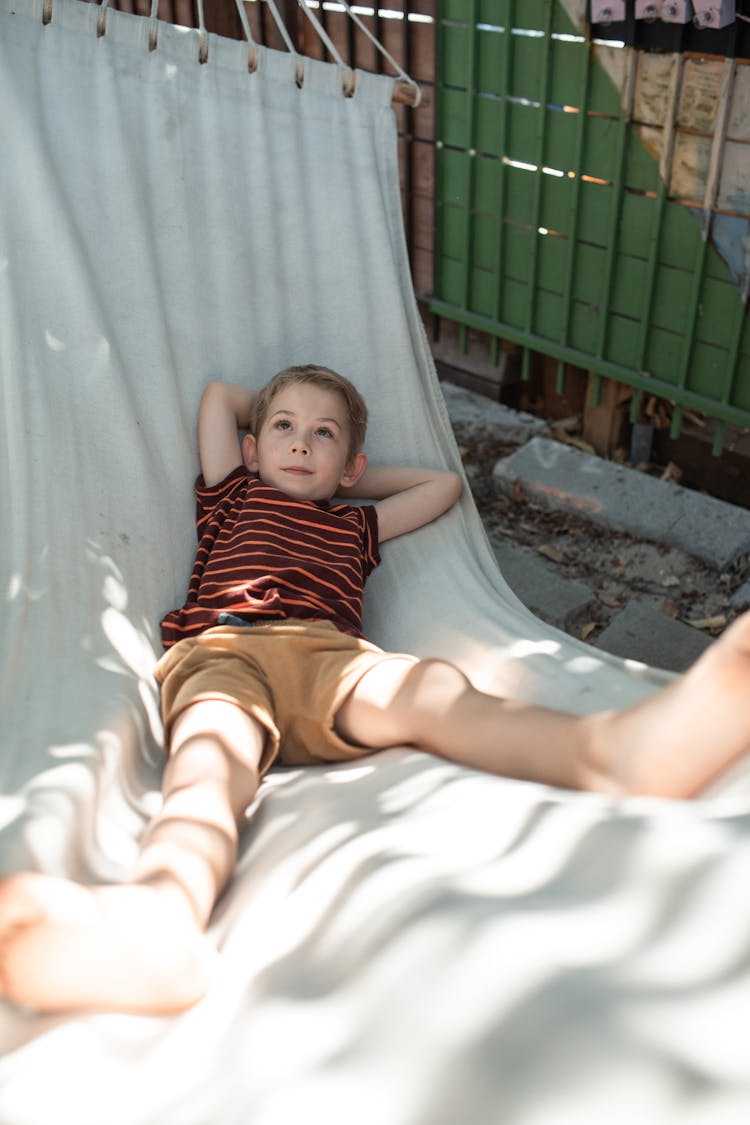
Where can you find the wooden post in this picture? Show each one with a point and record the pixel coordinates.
(604, 414)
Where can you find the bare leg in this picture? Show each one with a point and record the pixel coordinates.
(140, 947)
(433, 706)
(671, 745)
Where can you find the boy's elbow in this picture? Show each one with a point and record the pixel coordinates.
(216, 388)
(454, 488)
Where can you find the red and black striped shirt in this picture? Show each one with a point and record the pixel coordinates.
(262, 554)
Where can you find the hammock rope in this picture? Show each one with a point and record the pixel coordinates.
(298, 68)
(406, 90)
(353, 16)
(347, 74)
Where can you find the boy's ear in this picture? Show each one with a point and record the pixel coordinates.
(354, 470)
(250, 453)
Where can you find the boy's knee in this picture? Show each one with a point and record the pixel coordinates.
(432, 684)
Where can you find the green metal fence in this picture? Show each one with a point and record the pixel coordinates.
(561, 228)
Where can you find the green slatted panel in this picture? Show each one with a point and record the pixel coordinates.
(600, 153)
(561, 138)
(528, 62)
(553, 253)
(595, 209)
(638, 216)
(487, 184)
(491, 73)
(549, 313)
(603, 96)
(568, 61)
(518, 243)
(621, 283)
(742, 394)
(557, 195)
(588, 276)
(494, 13)
(530, 14)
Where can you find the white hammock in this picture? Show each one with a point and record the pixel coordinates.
(389, 955)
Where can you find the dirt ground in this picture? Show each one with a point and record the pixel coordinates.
(615, 566)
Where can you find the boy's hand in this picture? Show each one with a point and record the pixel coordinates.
(407, 498)
(225, 409)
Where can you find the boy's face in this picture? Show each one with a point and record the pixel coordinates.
(303, 446)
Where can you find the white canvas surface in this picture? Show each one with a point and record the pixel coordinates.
(405, 942)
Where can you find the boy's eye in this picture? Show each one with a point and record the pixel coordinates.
(283, 424)
(324, 431)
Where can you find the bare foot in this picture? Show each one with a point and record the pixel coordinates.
(127, 948)
(678, 741)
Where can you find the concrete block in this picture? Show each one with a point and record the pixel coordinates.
(740, 599)
(465, 408)
(640, 632)
(555, 599)
(613, 496)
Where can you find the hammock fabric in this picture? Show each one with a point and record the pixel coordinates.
(405, 942)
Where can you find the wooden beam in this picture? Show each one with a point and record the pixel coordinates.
(604, 414)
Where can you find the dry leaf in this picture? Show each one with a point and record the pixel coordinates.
(566, 425)
(670, 580)
(609, 600)
(669, 609)
(579, 443)
(517, 491)
(587, 630)
(716, 622)
(672, 473)
(550, 553)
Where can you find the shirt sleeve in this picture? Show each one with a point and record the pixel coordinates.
(370, 538)
(208, 498)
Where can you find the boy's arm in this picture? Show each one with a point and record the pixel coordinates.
(225, 409)
(406, 498)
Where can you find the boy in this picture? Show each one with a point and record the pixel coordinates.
(266, 659)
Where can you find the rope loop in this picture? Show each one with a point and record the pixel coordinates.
(203, 46)
(153, 26)
(299, 66)
(101, 23)
(202, 35)
(252, 50)
(403, 76)
(348, 82)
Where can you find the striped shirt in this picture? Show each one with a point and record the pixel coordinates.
(262, 554)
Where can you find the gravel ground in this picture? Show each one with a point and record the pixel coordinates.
(615, 566)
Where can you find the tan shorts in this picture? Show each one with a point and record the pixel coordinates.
(291, 676)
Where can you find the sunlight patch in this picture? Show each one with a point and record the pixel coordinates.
(583, 664)
(53, 343)
(524, 648)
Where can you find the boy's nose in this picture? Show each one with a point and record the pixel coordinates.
(300, 446)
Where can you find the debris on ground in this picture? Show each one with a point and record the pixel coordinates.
(617, 567)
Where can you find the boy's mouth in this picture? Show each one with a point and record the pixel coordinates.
(297, 470)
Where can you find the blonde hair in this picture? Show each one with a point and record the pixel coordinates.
(328, 380)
